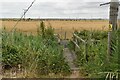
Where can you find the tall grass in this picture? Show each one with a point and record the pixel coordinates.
(36, 54)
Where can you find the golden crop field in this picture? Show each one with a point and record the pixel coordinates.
(60, 26)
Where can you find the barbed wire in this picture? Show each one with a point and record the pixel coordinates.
(22, 16)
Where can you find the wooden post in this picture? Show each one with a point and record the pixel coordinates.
(61, 32)
(114, 8)
(86, 51)
(65, 35)
(73, 43)
(113, 17)
(109, 43)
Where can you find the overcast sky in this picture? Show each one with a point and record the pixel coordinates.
(54, 9)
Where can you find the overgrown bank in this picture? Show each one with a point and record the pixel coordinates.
(38, 55)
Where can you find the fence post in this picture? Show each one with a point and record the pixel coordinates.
(86, 51)
(73, 43)
(65, 35)
(109, 43)
(61, 32)
(113, 15)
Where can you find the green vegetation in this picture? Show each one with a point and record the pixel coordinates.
(97, 63)
(40, 54)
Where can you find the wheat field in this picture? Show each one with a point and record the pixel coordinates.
(61, 27)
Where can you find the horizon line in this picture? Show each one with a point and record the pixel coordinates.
(57, 18)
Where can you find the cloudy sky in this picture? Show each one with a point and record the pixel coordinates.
(54, 9)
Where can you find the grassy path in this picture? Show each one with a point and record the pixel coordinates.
(70, 58)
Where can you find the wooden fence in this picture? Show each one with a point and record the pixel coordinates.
(78, 41)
